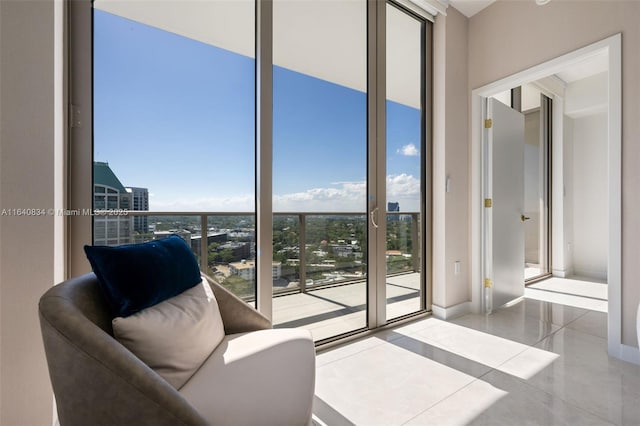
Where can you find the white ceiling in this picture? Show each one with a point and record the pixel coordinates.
(326, 40)
(311, 38)
(470, 7)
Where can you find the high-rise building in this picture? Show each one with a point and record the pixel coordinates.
(140, 198)
(109, 194)
(393, 207)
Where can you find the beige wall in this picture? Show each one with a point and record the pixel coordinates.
(511, 36)
(26, 181)
(451, 159)
(589, 188)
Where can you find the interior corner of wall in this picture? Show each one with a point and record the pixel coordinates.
(450, 312)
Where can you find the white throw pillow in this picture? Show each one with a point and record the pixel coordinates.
(176, 336)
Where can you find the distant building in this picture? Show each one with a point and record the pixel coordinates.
(140, 198)
(342, 250)
(247, 269)
(110, 194)
(182, 233)
(212, 237)
(238, 249)
(393, 207)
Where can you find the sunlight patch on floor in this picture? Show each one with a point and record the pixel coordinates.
(566, 299)
(484, 348)
(574, 287)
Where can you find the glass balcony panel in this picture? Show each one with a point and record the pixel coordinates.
(329, 293)
(231, 253)
(286, 253)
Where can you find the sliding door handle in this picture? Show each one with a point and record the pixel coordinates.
(373, 220)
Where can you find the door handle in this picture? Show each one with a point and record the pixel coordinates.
(523, 218)
(373, 221)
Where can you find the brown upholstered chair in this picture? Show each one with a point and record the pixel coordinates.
(268, 380)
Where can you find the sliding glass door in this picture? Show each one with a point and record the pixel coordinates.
(406, 161)
(349, 165)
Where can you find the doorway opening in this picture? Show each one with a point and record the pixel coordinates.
(520, 161)
(563, 243)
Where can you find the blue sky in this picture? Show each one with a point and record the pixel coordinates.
(177, 116)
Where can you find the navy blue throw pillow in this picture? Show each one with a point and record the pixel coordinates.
(136, 276)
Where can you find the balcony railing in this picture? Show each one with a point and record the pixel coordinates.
(309, 262)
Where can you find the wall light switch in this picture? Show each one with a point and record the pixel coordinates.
(456, 267)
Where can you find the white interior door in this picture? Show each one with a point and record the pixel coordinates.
(506, 188)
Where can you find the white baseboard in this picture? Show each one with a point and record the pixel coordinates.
(452, 311)
(630, 354)
(561, 273)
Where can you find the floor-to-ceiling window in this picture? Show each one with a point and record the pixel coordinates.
(174, 130)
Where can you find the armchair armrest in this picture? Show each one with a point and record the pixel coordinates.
(237, 315)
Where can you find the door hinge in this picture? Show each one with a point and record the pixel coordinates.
(488, 283)
(75, 119)
(488, 123)
(488, 203)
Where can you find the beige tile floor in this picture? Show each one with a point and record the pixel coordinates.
(534, 363)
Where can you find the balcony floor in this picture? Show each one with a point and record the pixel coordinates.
(330, 311)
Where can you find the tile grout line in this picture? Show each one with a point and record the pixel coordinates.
(382, 342)
(475, 379)
(533, 346)
(526, 382)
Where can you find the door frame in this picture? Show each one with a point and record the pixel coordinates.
(613, 47)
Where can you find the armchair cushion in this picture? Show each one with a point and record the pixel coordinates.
(176, 336)
(264, 377)
(136, 276)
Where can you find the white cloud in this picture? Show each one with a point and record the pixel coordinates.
(238, 203)
(409, 150)
(342, 196)
(403, 186)
(350, 196)
(339, 197)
